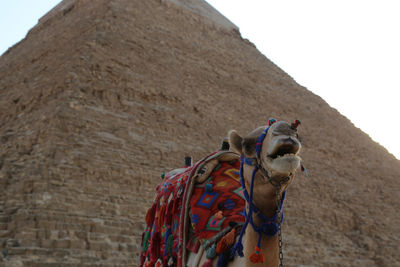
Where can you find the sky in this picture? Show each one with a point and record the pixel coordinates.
(346, 51)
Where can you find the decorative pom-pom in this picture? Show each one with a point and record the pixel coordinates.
(295, 124)
(211, 252)
(219, 215)
(271, 121)
(208, 263)
(257, 256)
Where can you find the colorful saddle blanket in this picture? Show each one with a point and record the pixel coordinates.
(213, 205)
(217, 201)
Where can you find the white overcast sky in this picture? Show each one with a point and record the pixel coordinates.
(346, 51)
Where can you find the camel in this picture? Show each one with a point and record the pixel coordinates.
(269, 158)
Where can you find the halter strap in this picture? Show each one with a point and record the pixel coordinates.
(269, 226)
(249, 198)
(248, 161)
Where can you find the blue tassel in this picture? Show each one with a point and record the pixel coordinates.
(167, 234)
(221, 261)
(238, 248)
(230, 255)
(211, 252)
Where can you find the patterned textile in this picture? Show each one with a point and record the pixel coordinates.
(161, 239)
(214, 204)
(218, 201)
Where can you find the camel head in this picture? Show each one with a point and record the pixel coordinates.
(278, 152)
(269, 158)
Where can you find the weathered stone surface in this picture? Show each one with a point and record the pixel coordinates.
(103, 96)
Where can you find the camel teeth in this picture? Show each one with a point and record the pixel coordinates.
(286, 155)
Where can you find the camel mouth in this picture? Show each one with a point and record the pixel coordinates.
(284, 160)
(282, 157)
(284, 150)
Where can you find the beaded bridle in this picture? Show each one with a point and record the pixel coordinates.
(270, 226)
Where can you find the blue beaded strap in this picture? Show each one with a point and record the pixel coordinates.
(248, 161)
(244, 160)
(253, 208)
(260, 141)
(268, 226)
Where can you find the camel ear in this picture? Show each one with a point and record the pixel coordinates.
(249, 146)
(235, 141)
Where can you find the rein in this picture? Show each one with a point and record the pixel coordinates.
(269, 226)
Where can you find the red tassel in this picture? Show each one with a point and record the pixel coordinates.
(226, 241)
(208, 263)
(271, 121)
(230, 237)
(150, 215)
(169, 214)
(155, 245)
(295, 124)
(161, 215)
(221, 246)
(257, 257)
(175, 208)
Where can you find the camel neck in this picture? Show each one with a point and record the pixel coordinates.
(261, 241)
(269, 247)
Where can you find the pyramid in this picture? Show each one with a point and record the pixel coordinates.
(103, 96)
